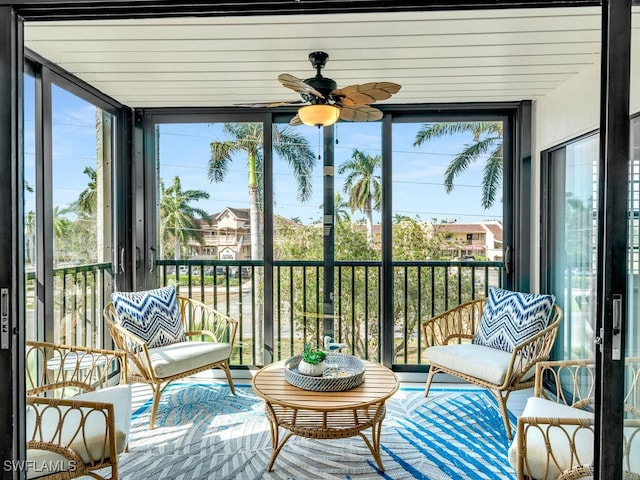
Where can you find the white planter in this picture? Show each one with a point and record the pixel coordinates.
(313, 370)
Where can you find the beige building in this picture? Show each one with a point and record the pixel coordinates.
(226, 238)
(482, 239)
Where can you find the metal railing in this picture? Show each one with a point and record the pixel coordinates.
(420, 291)
(80, 293)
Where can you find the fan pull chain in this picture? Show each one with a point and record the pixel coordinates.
(337, 134)
(319, 143)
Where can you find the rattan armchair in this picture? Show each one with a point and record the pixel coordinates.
(449, 339)
(210, 337)
(76, 424)
(555, 433)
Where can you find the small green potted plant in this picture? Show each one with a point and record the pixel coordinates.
(312, 361)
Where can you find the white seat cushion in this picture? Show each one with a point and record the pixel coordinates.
(45, 462)
(120, 397)
(537, 457)
(181, 357)
(486, 363)
(632, 438)
(94, 429)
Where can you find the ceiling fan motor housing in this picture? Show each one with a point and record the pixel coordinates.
(322, 84)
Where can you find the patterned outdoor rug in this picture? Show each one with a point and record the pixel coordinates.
(204, 432)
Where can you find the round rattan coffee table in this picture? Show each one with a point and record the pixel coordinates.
(325, 415)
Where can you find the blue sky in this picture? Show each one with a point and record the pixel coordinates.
(417, 173)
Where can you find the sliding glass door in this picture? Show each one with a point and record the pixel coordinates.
(571, 219)
(631, 353)
(69, 153)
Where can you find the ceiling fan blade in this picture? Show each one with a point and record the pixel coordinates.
(271, 104)
(359, 113)
(366, 93)
(295, 121)
(298, 85)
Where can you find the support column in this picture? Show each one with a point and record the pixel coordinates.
(328, 224)
(12, 440)
(613, 221)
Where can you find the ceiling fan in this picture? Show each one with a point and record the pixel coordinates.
(325, 104)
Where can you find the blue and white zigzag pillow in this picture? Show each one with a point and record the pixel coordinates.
(509, 318)
(153, 315)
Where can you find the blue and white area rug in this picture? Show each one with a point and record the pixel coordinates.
(204, 432)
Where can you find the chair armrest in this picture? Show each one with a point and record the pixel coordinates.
(201, 319)
(527, 354)
(568, 447)
(454, 325)
(583, 471)
(556, 445)
(68, 427)
(135, 348)
(570, 382)
(68, 369)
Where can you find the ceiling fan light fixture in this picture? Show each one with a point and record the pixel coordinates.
(319, 115)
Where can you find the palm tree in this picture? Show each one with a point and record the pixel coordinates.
(62, 228)
(340, 208)
(363, 185)
(29, 236)
(247, 138)
(179, 217)
(487, 140)
(87, 200)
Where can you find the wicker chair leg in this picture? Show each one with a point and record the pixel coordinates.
(432, 372)
(157, 393)
(502, 401)
(227, 371)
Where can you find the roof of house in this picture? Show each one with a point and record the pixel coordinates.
(461, 227)
(496, 229)
(240, 213)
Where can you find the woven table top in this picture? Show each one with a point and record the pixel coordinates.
(379, 384)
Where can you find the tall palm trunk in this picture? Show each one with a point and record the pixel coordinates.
(369, 215)
(256, 252)
(256, 227)
(254, 210)
(176, 246)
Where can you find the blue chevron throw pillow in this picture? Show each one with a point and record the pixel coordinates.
(153, 315)
(509, 318)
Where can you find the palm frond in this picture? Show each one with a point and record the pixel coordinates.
(466, 157)
(219, 160)
(429, 131)
(491, 178)
(295, 150)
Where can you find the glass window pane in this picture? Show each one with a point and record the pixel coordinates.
(447, 221)
(211, 181)
(81, 175)
(632, 340)
(358, 237)
(298, 247)
(573, 260)
(32, 329)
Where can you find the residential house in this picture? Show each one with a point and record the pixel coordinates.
(473, 240)
(226, 237)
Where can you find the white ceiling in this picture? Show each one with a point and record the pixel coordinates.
(488, 55)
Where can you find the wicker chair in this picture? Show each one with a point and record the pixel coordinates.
(210, 337)
(75, 424)
(555, 432)
(450, 350)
